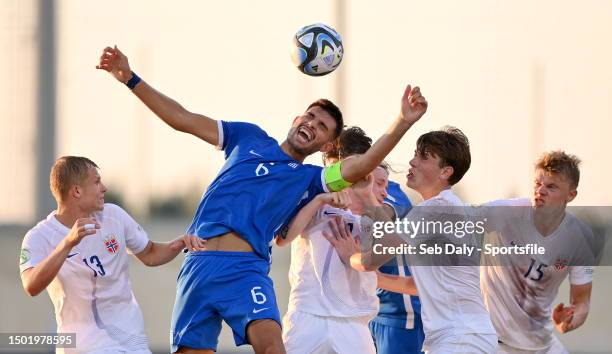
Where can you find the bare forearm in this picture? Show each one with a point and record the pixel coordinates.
(580, 298)
(299, 223)
(397, 284)
(175, 115)
(581, 312)
(36, 279)
(170, 111)
(160, 253)
(356, 168)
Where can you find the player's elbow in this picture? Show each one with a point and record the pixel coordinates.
(280, 241)
(150, 260)
(32, 290)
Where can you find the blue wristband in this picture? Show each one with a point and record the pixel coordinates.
(135, 80)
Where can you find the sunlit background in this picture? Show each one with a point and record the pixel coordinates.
(518, 77)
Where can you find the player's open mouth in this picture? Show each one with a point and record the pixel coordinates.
(305, 134)
(410, 174)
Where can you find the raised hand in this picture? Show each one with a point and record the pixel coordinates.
(81, 228)
(116, 63)
(414, 105)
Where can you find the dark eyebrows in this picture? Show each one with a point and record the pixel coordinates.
(325, 127)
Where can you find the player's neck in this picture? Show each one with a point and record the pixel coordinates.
(432, 191)
(287, 149)
(547, 220)
(68, 215)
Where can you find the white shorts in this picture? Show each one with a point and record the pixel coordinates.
(555, 348)
(465, 344)
(304, 333)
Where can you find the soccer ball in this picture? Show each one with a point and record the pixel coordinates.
(317, 49)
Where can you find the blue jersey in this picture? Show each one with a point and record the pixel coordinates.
(258, 190)
(398, 200)
(398, 310)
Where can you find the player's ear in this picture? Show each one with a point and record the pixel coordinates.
(447, 172)
(327, 147)
(572, 194)
(75, 191)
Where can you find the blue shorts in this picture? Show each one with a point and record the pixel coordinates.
(217, 285)
(392, 340)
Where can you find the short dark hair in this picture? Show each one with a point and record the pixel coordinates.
(559, 162)
(66, 172)
(352, 141)
(333, 110)
(451, 146)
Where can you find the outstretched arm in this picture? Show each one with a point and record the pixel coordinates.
(170, 111)
(158, 253)
(413, 107)
(305, 215)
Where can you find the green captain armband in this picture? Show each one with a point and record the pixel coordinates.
(333, 178)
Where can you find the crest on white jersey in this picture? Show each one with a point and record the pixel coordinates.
(112, 246)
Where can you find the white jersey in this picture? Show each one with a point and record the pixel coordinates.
(451, 301)
(520, 294)
(91, 293)
(320, 283)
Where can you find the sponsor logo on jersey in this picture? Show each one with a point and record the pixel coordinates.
(259, 310)
(293, 165)
(112, 246)
(561, 264)
(254, 153)
(24, 256)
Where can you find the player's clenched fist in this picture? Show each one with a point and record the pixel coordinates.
(339, 200)
(116, 63)
(81, 228)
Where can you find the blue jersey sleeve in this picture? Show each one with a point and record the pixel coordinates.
(398, 200)
(231, 134)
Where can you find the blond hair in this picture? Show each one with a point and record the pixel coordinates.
(559, 162)
(66, 172)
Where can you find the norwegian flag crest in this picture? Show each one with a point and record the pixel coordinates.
(561, 264)
(112, 246)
